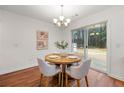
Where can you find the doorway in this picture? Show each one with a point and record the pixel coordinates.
(90, 41)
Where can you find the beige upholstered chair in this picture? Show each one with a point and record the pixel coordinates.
(48, 70)
(79, 72)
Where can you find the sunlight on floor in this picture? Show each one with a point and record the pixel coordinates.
(98, 56)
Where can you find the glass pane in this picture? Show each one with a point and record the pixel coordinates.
(97, 46)
(77, 41)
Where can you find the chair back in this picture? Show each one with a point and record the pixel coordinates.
(42, 65)
(85, 66)
(45, 68)
(82, 70)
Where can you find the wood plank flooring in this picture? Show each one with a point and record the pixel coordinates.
(31, 78)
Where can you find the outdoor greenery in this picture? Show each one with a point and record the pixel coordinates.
(96, 36)
(62, 44)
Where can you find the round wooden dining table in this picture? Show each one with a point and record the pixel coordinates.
(62, 59)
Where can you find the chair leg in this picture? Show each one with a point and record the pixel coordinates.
(47, 80)
(40, 80)
(62, 79)
(59, 78)
(78, 83)
(86, 81)
(66, 80)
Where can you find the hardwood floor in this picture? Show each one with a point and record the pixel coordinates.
(31, 78)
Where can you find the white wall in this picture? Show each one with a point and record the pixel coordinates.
(115, 37)
(18, 41)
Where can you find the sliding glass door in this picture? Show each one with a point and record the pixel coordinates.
(80, 42)
(97, 46)
(90, 41)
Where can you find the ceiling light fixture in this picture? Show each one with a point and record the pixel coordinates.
(61, 21)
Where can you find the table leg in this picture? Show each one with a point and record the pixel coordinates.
(62, 80)
(63, 74)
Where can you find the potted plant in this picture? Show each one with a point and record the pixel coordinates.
(61, 45)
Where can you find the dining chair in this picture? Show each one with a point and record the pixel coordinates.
(48, 70)
(79, 72)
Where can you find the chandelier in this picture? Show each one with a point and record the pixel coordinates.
(61, 21)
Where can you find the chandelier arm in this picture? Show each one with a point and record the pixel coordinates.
(61, 10)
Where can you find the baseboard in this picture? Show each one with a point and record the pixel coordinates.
(116, 77)
(20, 70)
(110, 75)
(98, 70)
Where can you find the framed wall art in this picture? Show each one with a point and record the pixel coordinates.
(42, 40)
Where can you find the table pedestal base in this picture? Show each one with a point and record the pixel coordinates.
(63, 75)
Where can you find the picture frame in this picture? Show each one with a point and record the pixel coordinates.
(42, 40)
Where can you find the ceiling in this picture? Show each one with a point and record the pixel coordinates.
(48, 12)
